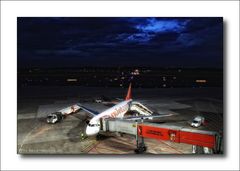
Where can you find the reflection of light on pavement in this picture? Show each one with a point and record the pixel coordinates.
(40, 131)
(26, 137)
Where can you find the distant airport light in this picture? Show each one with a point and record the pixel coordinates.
(201, 81)
(71, 80)
(135, 72)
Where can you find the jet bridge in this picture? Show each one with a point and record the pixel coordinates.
(203, 141)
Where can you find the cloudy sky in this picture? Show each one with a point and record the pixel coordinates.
(156, 42)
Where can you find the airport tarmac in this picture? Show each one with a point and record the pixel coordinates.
(35, 136)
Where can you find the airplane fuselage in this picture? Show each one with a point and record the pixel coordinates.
(116, 111)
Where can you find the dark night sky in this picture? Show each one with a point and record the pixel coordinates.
(157, 42)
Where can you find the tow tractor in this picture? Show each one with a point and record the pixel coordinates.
(61, 114)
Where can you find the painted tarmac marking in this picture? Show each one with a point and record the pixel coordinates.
(170, 147)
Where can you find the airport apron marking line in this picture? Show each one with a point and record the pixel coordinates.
(170, 147)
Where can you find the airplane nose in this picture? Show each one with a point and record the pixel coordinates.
(89, 131)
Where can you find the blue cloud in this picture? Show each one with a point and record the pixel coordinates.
(158, 26)
(135, 37)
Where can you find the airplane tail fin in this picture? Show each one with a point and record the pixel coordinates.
(129, 93)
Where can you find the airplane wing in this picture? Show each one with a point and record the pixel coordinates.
(140, 108)
(110, 103)
(145, 112)
(107, 101)
(55, 117)
(147, 117)
(120, 99)
(89, 111)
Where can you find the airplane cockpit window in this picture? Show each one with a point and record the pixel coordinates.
(92, 125)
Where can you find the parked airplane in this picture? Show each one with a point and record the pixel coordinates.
(117, 111)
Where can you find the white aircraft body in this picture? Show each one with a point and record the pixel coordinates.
(117, 111)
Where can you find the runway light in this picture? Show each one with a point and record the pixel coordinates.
(71, 80)
(201, 81)
(135, 72)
